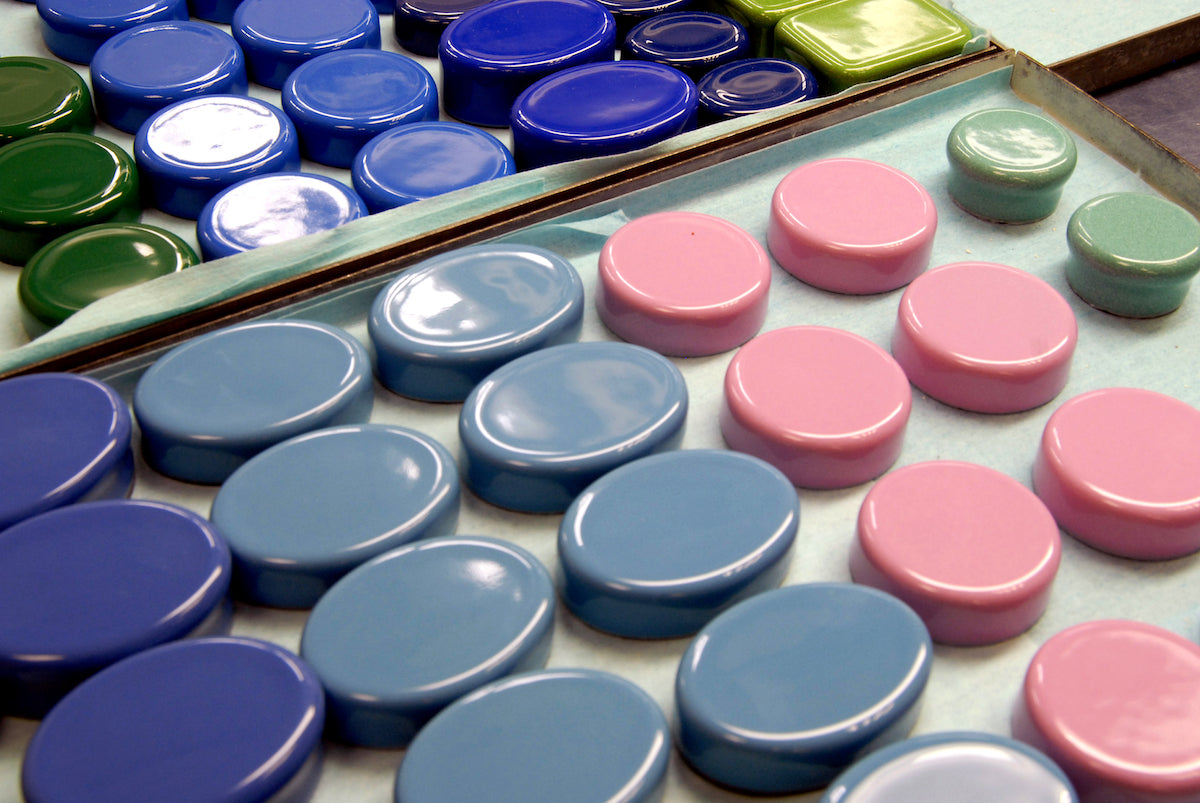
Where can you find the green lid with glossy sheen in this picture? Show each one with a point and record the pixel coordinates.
(83, 266)
(1133, 254)
(759, 18)
(51, 184)
(38, 96)
(848, 42)
(1009, 165)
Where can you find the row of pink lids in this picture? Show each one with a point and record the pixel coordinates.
(973, 551)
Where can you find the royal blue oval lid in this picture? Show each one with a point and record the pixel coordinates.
(569, 734)
(141, 70)
(87, 585)
(189, 151)
(280, 35)
(691, 41)
(422, 160)
(541, 428)
(784, 690)
(657, 547)
(66, 439)
(752, 85)
(952, 766)
(419, 24)
(303, 513)
(600, 110)
(628, 13)
(404, 635)
(74, 29)
(207, 406)
(219, 720)
(340, 100)
(214, 10)
(273, 208)
(441, 327)
(491, 53)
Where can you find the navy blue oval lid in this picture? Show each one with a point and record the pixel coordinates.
(746, 86)
(419, 24)
(601, 109)
(485, 35)
(493, 303)
(225, 719)
(66, 439)
(569, 734)
(659, 546)
(692, 41)
(86, 585)
(952, 766)
(540, 429)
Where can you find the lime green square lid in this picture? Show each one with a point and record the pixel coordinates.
(848, 42)
(759, 18)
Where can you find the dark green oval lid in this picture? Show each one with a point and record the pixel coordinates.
(51, 184)
(38, 96)
(86, 265)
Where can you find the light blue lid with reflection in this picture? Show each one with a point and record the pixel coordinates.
(951, 767)
(274, 208)
(303, 513)
(540, 429)
(406, 634)
(207, 406)
(658, 547)
(781, 692)
(444, 325)
(568, 734)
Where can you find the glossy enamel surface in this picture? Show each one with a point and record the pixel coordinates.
(38, 96)
(692, 42)
(74, 29)
(751, 85)
(985, 337)
(280, 35)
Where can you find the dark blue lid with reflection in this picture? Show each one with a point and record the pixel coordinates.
(141, 70)
(422, 160)
(692, 41)
(753, 85)
(442, 326)
(600, 110)
(950, 767)
(303, 513)
(629, 13)
(568, 734)
(89, 584)
(406, 634)
(280, 35)
(271, 209)
(339, 101)
(783, 691)
(540, 429)
(419, 24)
(658, 547)
(66, 439)
(209, 719)
(75, 29)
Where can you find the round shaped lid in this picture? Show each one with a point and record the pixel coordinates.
(569, 733)
(406, 634)
(280, 35)
(66, 439)
(419, 24)
(1012, 148)
(693, 42)
(528, 35)
(301, 514)
(659, 546)
(746, 86)
(38, 96)
(86, 265)
(207, 406)
(75, 29)
(442, 326)
(210, 719)
(541, 428)
(273, 208)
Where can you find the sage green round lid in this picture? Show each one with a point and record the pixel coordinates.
(51, 184)
(1133, 254)
(85, 265)
(38, 96)
(1008, 164)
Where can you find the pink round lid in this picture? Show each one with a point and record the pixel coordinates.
(971, 550)
(985, 337)
(851, 226)
(1115, 704)
(683, 283)
(1120, 470)
(826, 407)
